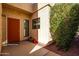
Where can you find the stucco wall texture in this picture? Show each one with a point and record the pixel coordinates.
(0, 26)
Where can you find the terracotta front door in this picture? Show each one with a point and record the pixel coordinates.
(13, 30)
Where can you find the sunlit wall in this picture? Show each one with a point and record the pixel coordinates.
(43, 32)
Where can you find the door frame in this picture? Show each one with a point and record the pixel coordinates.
(6, 39)
(26, 37)
(28, 27)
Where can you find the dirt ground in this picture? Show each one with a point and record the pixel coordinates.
(73, 51)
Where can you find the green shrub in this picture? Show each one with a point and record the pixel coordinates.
(64, 21)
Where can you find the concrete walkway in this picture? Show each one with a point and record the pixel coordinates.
(24, 49)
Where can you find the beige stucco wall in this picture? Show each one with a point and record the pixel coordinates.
(24, 6)
(0, 26)
(34, 32)
(4, 28)
(11, 12)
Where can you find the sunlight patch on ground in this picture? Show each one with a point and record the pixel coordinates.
(37, 47)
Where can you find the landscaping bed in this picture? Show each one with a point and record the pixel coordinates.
(73, 51)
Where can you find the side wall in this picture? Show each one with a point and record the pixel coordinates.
(4, 31)
(34, 32)
(0, 26)
(44, 32)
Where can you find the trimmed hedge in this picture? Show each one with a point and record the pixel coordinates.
(64, 21)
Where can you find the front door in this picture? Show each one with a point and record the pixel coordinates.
(13, 30)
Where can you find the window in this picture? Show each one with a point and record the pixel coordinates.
(26, 28)
(36, 23)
